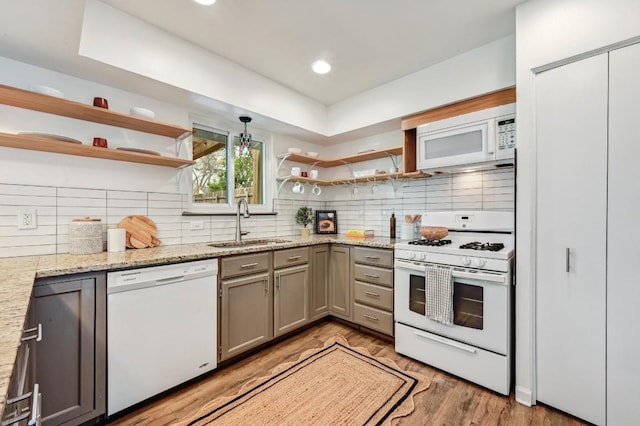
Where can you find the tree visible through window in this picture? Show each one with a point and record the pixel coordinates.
(211, 171)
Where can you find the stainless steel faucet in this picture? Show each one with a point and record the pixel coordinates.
(239, 232)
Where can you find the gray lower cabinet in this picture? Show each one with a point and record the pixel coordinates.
(290, 299)
(319, 300)
(70, 364)
(373, 288)
(340, 282)
(246, 313)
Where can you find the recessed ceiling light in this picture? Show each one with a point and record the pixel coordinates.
(205, 2)
(320, 67)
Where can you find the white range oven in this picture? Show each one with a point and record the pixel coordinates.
(478, 253)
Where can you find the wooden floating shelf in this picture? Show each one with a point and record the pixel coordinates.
(380, 178)
(52, 105)
(35, 143)
(365, 156)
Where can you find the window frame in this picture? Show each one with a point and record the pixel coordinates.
(232, 131)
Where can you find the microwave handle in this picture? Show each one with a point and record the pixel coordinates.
(491, 137)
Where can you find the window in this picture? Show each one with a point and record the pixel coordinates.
(221, 175)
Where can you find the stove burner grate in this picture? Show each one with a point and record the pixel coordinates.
(476, 245)
(425, 242)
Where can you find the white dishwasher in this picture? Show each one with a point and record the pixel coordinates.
(161, 329)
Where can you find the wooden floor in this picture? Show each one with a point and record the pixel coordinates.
(448, 401)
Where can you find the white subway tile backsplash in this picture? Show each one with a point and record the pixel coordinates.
(56, 207)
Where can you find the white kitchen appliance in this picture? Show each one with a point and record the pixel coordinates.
(482, 137)
(161, 329)
(479, 253)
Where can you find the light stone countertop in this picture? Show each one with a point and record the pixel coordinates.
(19, 274)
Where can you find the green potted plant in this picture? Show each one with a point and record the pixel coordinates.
(304, 216)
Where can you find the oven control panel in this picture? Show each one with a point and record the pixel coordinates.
(421, 258)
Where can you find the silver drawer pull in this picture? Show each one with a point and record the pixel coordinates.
(371, 317)
(294, 257)
(372, 257)
(372, 275)
(249, 265)
(36, 406)
(37, 336)
(369, 293)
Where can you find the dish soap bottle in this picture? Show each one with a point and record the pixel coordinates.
(392, 226)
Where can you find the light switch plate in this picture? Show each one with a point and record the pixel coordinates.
(27, 219)
(197, 225)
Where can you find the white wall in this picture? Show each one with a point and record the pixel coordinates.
(548, 31)
(483, 70)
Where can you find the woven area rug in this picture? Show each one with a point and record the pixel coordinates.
(336, 384)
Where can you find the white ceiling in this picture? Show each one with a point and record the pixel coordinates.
(368, 42)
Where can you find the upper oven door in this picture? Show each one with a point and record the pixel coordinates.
(465, 144)
(480, 303)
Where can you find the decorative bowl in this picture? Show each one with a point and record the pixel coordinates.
(294, 150)
(46, 90)
(434, 232)
(143, 112)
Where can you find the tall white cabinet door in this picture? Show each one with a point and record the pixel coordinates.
(623, 278)
(571, 155)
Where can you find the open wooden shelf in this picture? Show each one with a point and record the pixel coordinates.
(365, 156)
(380, 178)
(50, 104)
(36, 143)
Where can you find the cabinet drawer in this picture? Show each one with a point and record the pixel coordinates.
(374, 295)
(372, 256)
(374, 275)
(373, 318)
(243, 265)
(290, 257)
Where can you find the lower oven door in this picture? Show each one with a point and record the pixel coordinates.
(480, 303)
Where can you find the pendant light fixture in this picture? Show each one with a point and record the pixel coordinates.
(245, 138)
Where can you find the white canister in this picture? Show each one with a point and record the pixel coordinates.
(295, 171)
(116, 239)
(408, 231)
(85, 236)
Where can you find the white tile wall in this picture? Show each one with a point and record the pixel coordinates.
(56, 207)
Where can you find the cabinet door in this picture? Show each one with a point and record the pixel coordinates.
(319, 281)
(290, 299)
(339, 282)
(246, 314)
(571, 142)
(623, 291)
(70, 358)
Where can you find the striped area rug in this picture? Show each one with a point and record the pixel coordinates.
(336, 384)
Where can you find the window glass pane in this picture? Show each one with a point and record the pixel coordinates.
(210, 169)
(249, 172)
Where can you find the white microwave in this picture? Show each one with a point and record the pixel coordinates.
(487, 136)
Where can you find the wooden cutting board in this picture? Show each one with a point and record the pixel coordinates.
(141, 232)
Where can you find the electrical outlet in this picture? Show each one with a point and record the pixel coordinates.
(196, 225)
(27, 219)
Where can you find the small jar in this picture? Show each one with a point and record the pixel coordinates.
(85, 236)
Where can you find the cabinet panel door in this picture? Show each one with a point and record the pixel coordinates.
(571, 174)
(623, 291)
(339, 282)
(290, 298)
(246, 314)
(70, 358)
(319, 281)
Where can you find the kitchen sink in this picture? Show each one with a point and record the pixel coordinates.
(247, 243)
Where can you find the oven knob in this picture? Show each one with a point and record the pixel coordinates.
(466, 261)
(412, 255)
(423, 256)
(479, 263)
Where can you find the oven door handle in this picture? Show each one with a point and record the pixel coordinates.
(494, 278)
(447, 342)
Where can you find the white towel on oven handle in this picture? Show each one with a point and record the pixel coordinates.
(438, 287)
